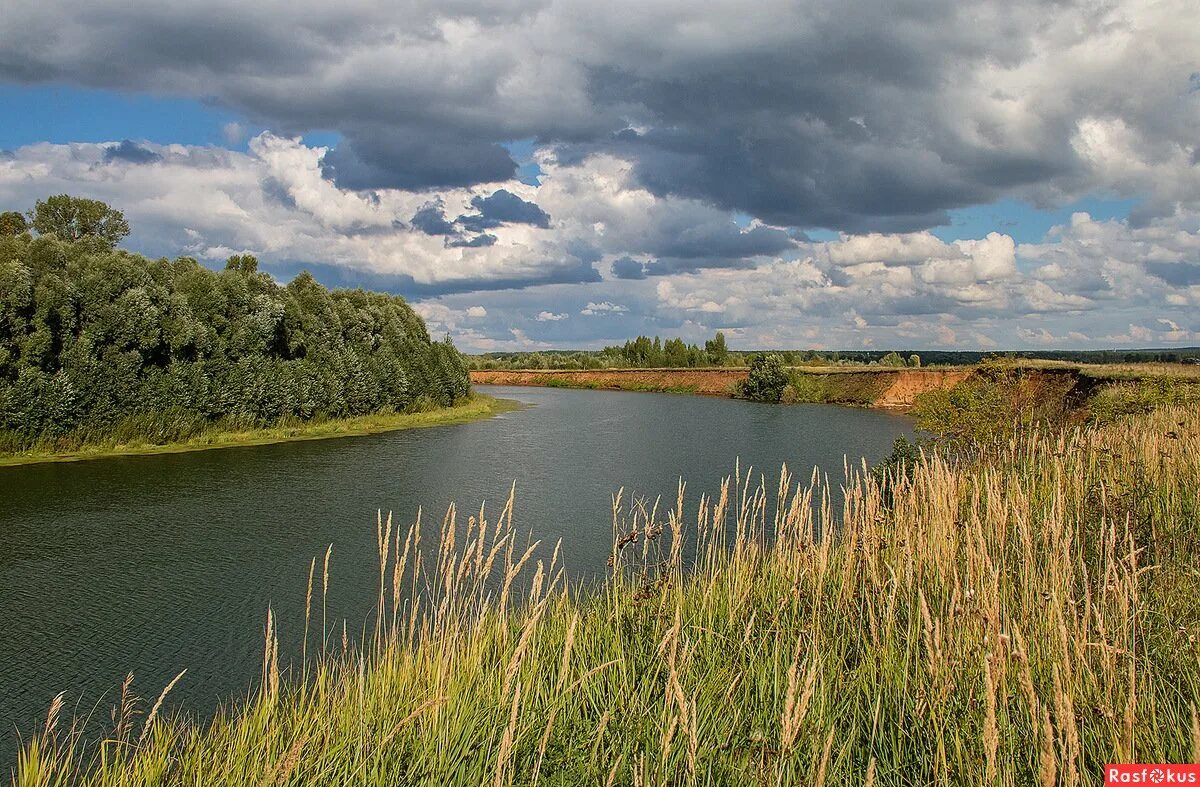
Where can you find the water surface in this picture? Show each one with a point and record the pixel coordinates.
(157, 563)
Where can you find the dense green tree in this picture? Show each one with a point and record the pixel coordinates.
(95, 342)
(75, 218)
(767, 380)
(718, 353)
(13, 223)
(675, 353)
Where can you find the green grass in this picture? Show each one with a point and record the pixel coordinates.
(1111, 402)
(220, 436)
(553, 381)
(1021, 618)
(861, 388)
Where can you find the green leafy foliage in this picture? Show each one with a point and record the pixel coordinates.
(717, 350)
(899, 465)
(12, 223)
(75, 218)
(767, 381)
(96, 341)
(992, 404)
(644, 352)
(1120, 399)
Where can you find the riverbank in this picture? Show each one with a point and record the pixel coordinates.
(711, 382)
(475, 408)
(861, 386)
(887, 388)
(1023, 617)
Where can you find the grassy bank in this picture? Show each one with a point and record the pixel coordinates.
(1023, 617)
(477, 407)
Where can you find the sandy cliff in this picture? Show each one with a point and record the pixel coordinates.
(891, 388)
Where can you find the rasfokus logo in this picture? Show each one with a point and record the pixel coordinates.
(1151, 774)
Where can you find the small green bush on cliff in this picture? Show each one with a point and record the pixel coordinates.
(767, 381)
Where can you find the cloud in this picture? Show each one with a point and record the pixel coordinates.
(604, 307)
(504, 206)
(130, 151)
(233, 132)
(1081, 282)
(1085, 278)
(476, 311)
(273, 200)
(396, 158)
(477, 242)
(1178, 273)
(431, 219)
(858, 117)
(628, 268)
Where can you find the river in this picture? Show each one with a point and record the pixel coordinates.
(157, 563)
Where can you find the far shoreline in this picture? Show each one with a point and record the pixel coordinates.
(478, 407)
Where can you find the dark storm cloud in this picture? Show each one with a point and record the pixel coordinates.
(854, 116)
(628, 268)
(504, 206)
(395, 159)
(132, 152)
(474, 222)
(431, 219)
(666, 266)
(812, 177)
(723, 241)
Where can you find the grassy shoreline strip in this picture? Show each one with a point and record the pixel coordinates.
(479, 406)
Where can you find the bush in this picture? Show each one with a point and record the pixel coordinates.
(767, 381)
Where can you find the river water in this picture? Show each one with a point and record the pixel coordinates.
(158, 563)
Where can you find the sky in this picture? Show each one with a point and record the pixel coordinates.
(535, 174)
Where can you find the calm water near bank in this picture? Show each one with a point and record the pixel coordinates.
(158, 563)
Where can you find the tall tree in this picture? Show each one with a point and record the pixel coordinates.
(717, 351)
(75, 218)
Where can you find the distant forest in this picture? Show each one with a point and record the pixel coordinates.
(97, 342)
(645, 352)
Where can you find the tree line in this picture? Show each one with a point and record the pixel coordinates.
(96, 341)
(645, 352)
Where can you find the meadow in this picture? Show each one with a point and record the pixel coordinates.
(1019, 613)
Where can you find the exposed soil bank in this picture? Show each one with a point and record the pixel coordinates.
(889, 388)
(714, 382)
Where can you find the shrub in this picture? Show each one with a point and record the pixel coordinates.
(767, 381)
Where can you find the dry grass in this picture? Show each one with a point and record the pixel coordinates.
(1022, 619)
